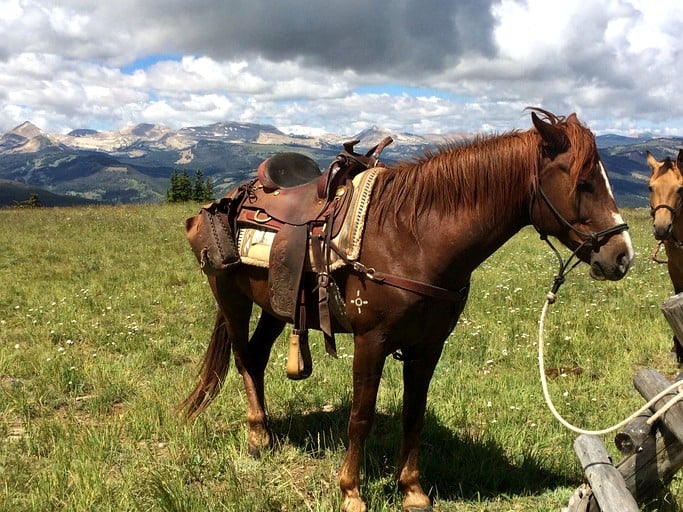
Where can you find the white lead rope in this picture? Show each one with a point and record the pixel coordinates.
(678, 386)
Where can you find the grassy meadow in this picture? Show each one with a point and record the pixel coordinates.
(104, 318)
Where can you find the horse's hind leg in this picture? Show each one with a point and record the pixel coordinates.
(251, 360)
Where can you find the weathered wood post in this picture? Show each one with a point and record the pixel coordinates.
(672, 309)
(650, 469)
(634, 435)
(607, 483)
(657, 458)
(653, 450)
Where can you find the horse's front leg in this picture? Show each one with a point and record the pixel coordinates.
(368, 363)
(675, 268)
(417, 374)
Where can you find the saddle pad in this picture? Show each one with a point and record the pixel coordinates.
(254, 244)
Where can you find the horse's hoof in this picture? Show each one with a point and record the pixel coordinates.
(421, 509)
(254, 452)
(354, 505)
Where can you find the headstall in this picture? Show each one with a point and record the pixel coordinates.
(593, 240)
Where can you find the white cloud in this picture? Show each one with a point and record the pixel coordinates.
(612, 61)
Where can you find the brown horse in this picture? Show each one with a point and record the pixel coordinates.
(666, 200)
(433, 221)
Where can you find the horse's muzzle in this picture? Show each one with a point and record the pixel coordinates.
(662, 231)
(613, 261)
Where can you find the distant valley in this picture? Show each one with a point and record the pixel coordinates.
(134, 165)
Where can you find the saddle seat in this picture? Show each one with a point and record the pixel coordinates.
(286, 194)
(287, 170)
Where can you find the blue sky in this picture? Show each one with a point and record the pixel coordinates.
(423, 66)
(144, 62)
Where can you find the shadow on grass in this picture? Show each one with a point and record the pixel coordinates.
(457, 468)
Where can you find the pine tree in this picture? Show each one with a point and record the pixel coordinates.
(198, 186)
(208, 190)
(172, 192)
(184, 188)
(31, 202)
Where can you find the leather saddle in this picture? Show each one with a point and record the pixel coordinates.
(306, 209)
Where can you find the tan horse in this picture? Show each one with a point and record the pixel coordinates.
(666, 200)
(432, 221)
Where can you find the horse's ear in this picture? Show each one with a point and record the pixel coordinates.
(572, 118)
(652, 161)
(554, 137)
(679, 160)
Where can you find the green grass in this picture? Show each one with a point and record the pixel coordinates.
(104, 318)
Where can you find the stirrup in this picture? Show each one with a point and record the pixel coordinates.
(299, 362)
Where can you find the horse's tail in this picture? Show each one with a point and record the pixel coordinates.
(212, 373)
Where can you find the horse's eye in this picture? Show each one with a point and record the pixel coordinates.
(584, 186)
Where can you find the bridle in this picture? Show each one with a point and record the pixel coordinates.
(592, 240)
(677, 243)
(674, 211)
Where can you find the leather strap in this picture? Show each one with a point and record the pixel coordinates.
(419, 287)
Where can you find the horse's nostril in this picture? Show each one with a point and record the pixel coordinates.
(662, 232)
(623, 262)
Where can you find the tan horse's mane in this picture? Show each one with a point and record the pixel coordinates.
(462, 174)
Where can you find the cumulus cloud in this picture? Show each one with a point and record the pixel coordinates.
(408, 65)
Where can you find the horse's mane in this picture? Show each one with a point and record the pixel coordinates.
(499, 169)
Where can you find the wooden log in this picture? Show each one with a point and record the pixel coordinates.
(672, 309)
(648, 472)
(649, 383)
(634, 435)
(607, 484)
(580, 500)
(651, 469)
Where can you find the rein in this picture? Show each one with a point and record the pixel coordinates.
(595, 241)
(676, 386)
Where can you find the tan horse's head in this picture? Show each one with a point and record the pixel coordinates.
(666, 193)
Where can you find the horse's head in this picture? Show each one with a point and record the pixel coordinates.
(666, 193)
(574, 201)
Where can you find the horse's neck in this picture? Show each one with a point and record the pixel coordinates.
(677, 227)
(477, 231)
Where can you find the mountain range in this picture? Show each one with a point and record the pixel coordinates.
(134, 164)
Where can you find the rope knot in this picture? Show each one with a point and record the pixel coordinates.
(559, 281)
